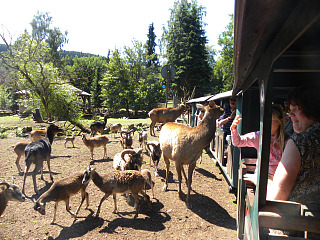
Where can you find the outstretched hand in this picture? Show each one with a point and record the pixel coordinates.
(236, 121)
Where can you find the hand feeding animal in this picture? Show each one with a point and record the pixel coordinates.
(184, 144)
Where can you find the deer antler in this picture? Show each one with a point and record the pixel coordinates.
(38, 118)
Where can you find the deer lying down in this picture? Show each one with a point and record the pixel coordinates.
(127, 181)
(62, 190)
(9, 193)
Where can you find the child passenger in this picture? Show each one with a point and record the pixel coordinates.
(252, 140)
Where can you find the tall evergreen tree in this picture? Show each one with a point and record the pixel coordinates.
(185, 42)
(152, 57)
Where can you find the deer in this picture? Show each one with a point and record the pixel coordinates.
(184, 145)
(62, 190)
(95, 142)
(9, 193)
(99, 126)
(70, 139)
(114, 128)
(127, 181)
(164, 115)
(39, 151)
(19, 147)
(126, 139)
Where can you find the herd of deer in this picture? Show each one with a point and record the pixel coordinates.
(177, 142)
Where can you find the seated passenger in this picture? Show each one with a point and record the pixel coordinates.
(297, 177)
(252, 140)
(226, 119)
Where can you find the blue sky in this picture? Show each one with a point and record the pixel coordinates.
(98, 25)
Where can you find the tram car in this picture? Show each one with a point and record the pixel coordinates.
(276, 48)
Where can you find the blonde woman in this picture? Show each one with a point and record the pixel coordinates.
(252, 140)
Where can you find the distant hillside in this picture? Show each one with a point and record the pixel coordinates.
(71, 54)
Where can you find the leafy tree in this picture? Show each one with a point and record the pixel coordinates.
(223, 67)
(185, 43)
(86, 74)
(33, 72)
(53, 37)
(115, 82)
(6, 98)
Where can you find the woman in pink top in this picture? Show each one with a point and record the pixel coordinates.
(252, 139)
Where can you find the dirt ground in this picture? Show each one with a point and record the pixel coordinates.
(213, 215)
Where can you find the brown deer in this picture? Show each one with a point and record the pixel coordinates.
(164, 115)
(184, 145)
(9, 193)
(95, 142)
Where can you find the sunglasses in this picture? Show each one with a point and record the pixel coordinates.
(232, 100)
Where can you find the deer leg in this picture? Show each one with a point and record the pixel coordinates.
(41, 170)
(156, 168)
(137, 203)
(184, 174)
(178, 168)
(72, 144)
(68, 208)
(17, 164)
(167, 162)
(25, 175)
(152, 128)
(190, 172)
(48, 162)
(91, 150)
(34, 173)
(102, 199)
(115, 203)
(105, 152)
(147, 198)
(84, 195)
(54, 212)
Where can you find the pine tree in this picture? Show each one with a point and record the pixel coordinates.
(152, 57)
(186, 49)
